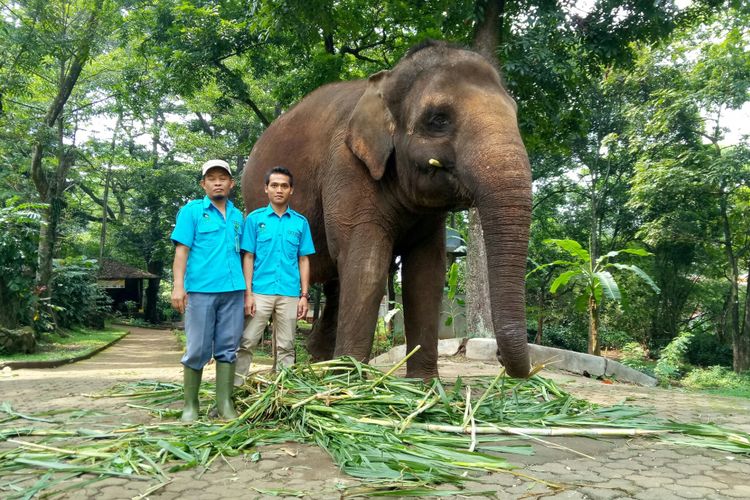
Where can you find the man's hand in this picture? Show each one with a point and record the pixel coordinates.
(302, 308)
(179, 299)
(249, 304)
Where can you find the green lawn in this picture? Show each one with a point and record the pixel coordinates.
(75, 343)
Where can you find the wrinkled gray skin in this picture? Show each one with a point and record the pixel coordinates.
(360, 154)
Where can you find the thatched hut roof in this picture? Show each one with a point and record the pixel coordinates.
(110, 269)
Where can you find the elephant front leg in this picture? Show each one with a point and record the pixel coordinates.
(423, 275)
(363, 272)
(322, 339)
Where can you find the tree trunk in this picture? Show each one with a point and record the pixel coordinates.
(594, 347)
(672, 263)
(741, 343)
(739, 332)
(107, 181)
(478, 308)
(51, 187)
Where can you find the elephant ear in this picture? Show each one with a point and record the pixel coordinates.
(371, 127)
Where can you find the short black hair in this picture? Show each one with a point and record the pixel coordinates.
(280, 170)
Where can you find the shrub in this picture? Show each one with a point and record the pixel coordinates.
(634, 356)
(672, 363)
(18, 245)
(614, 339)
(130, 307)
(714, 377)
(570, 337)
(77, 299)
(707, 350)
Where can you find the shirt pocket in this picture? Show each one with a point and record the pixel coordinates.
(291, 243)
(208, 234)
(263, 244)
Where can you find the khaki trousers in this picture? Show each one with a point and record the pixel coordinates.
(283, 310)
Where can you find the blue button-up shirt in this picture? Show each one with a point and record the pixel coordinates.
(214, 263)
(277, 243)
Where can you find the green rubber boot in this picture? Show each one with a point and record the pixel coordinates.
(224, 388)
(191, 385)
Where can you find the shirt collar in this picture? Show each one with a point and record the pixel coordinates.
(207, 204)
(269, 211)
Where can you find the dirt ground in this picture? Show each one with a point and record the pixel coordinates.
(578, 467)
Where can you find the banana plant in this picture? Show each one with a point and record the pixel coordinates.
(593, 280)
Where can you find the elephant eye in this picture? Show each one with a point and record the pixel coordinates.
(438, 122)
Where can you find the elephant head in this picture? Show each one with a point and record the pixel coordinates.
(441, 125)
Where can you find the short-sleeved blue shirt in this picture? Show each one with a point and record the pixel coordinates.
(277, 243)
(214, 264)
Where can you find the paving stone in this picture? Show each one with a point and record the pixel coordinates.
(649, 481)
(566, 495)
(699, 481)
(691, 492)
(738, 491)
(660, 494)
(601, 493)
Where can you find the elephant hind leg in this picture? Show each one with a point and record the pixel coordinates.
(322, 339)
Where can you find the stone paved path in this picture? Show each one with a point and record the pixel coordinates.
(618, 468)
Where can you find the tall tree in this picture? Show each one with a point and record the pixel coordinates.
(689, 180)
(59, 37)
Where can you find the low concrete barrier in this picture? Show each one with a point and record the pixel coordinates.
(575, 362)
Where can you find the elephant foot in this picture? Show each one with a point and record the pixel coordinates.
(424, 373)
(319, 351)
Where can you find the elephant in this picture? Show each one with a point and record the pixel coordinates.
(377, 165)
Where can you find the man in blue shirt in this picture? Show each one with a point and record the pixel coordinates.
(277, 242)
(209, 287)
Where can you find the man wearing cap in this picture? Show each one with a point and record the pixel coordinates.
(277, 243)
(209, 287)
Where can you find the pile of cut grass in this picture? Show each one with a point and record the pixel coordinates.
(398, 436)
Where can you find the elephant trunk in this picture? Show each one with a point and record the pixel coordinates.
(505, 214)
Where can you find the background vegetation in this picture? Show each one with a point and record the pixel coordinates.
(106, 107)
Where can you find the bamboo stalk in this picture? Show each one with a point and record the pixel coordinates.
(422, 407)
(526, 431)
(152, 489)
(470, 415)
(37, 446)
(395, 367)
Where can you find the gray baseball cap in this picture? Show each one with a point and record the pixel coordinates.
(215, 163)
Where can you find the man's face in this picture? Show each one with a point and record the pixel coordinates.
(279, 190)
(217, 183)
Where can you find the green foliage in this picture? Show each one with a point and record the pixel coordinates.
(706, 349)
(634, 356)
(672, 363)
(77, 297)
(592, 277)
(591, 280)
(718, 380)
(456, 305)
(20, 224)
(566, 336)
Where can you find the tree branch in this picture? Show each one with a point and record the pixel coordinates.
(96, 200)
(205, 126)
(356, 53)
(235, 84)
